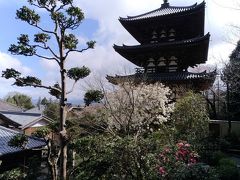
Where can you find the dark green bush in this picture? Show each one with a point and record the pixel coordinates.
(232, 138)
(12, 174)
(216, 157)
(227, 169)
(198, 171)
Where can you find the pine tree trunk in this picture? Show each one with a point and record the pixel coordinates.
(228, 113)
(73, 158)
(64, 162)
(63, 132)
(52, 163)
(54, 171)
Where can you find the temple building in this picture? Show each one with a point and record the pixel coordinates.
(171, 40)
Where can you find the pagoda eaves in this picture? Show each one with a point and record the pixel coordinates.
(187, 21)
(189, 52)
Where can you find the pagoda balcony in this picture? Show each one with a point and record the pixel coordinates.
(139, 70)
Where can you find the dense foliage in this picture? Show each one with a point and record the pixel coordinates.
(231, 77)
(182, 162)
(191, 119)
(93, 96)
(125, 134)
(52, 109)
(128, 136)
(21, 100)
(19, 140)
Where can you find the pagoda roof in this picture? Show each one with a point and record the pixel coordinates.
(173, 76)
(168, 78)
(164, 10)
(135, 54)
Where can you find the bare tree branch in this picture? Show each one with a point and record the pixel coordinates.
(71, 90)
(75, 50)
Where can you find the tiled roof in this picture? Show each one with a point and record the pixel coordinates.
(37, 109)
(4, 106)
(21, 118)
(164, 10)
(176, 76)
(163, 44)
(7, 134)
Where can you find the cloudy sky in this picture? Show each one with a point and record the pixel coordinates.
(101, 24)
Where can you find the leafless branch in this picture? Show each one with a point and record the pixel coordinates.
(75, 50)
(71, 90)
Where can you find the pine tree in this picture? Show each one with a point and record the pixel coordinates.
(65, 18)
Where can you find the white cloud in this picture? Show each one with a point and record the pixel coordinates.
(7, 61)
(104, 60)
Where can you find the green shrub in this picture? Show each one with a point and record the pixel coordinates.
(227, 169)
(216, 157)
(232, 138)
(12, 175)
(191, 119)
(195, 172)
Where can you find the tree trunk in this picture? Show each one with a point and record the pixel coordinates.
(52, 162)
(63, 132)
(64, 162)
(54, 171)
(73, 159)
(228, 114)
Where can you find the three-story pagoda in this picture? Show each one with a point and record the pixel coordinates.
(171, 40)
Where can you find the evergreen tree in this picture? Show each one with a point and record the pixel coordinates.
(231, 77)
(20, 100)
(44, 101)
(65, 18)
(93, 96)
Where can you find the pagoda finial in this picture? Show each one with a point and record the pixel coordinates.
(165, 4)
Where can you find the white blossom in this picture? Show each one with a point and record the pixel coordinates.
(137, 109)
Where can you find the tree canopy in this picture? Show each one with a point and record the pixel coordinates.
(21, 100)
(231, 77)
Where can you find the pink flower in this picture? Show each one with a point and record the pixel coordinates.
(167, 150)
(193, 160)
(180, 144)
(187, 145)
(162, 171)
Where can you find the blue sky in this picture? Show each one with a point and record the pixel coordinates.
(14, 27)
(101, 24)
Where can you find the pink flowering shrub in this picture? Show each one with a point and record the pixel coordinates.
(171, 159)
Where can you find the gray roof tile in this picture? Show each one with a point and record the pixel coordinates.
(4, 106)
(7, 134)
(21, 118)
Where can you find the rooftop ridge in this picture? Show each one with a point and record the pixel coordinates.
(165, 7)
(21, 113)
